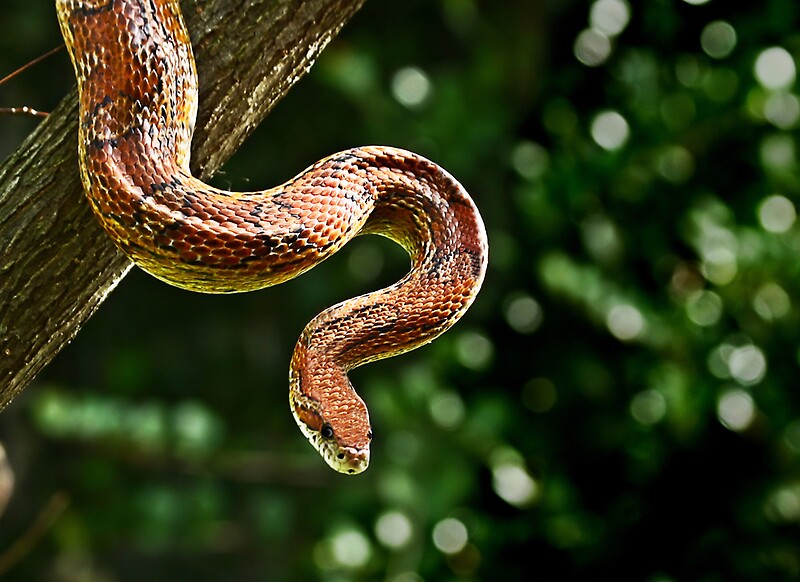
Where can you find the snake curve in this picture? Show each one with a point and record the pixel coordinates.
(137, 105)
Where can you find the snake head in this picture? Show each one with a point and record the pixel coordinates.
(332, 417)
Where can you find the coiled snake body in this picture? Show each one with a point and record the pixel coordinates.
(138, 99)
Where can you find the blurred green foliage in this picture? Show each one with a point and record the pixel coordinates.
(622, 400)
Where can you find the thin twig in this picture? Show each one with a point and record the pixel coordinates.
(38, 59)
(25, 110)
(27, 541)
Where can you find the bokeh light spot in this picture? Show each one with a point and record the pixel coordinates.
(393, 529)
(771, 301)
(648, 407)
(610, 130)
(775, 68)
(718, 39)
(686, 281)
(514, 484)
(474, 350)
(748, 365)
(197, 430)
(523, 313)
(776, 213)
(625, 322)
(530, 159)
(704, 308)
(778, 152)
(450, 536)
(352, 71)
(783, 505)
(782, 110)
(149, 426)
(411, 87)
(609, 16)
(736, 410)
(351, 548)
(6, 480)
(592, 47)
(601, 238)
(720, 266)
(690, 71)
(718, 361)
(447, 409)
(675, 164)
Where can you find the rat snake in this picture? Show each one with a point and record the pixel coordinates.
(138, 101)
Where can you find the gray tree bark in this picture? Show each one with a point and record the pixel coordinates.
(56, 264)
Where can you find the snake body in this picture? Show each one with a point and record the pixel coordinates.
(138, 100)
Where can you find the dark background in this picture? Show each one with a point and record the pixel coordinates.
(622, 400)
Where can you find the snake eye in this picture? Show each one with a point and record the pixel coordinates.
(326, 431)
(369, 434)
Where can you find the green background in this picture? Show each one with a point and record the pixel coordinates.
(622, 400)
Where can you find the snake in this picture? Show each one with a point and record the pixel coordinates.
(137, 105)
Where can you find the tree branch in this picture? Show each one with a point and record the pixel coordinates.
(56, 264)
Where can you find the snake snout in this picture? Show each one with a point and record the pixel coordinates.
(354, 460)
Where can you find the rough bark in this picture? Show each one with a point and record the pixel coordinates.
(56, 265)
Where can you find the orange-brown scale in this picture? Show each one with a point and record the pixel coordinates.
(138, 100)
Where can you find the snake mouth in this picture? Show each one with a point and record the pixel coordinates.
(351, 460)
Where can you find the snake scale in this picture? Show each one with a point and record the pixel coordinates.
(138, 101)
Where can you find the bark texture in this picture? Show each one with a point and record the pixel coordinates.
(56, 264)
